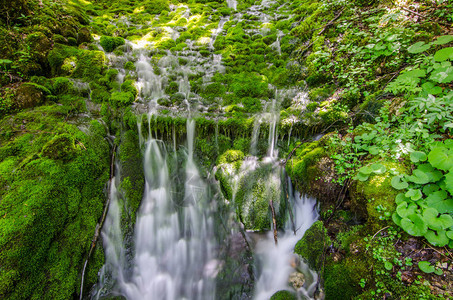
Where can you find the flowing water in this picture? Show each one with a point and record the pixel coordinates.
(173, 250)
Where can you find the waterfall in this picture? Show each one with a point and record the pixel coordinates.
(174, 239)
(276, 259)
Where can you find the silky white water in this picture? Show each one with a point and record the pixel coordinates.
(276, 260)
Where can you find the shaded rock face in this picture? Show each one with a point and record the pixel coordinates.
(84, 36)
(28, 96)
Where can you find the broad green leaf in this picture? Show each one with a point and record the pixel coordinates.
(449, 181)
(362, 177)
(398, 184)
(444, 54)
(442, 75)
(415, 73)
(417, 156)
(414, 194)
(404, 209)
(377, 168)
(438, 272)
(441, 158)
(449, 234)
(414, 225)
(436, 222)
(418, 177)
(431, 88)
(437, 238)
(397, 219)
(401, 198)
(366, 170)
(426, 266)
(418, 47)
(439, 201)
(442, 40)
(373, 150)
(434, 175)
(430, 188)
(388, 266)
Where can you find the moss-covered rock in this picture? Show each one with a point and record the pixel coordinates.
(28, 95)
(61, 147)
(312, 245)
(109, 43)
(374, 199)
(84, 36)
(284, 295)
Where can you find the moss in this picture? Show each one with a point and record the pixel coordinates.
(129, 65)
(121, 99)
(61, 147)
(312, 245)
(341, 279)
(374, 199)
(109, 43)
(29, 95)
(284, 295)
(305, 159)
(230, 156)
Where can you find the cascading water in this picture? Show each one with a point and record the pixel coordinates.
(278, 262)
(174, 237)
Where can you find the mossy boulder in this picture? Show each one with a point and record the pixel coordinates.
(121, 99)
(29, 95)
(84, 36)
(342, 278)
(228, 166)
(284, 295)
(312, 245)
(61, 147)
(109, 43)
(374, 199)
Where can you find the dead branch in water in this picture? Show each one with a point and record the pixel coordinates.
(274, 221)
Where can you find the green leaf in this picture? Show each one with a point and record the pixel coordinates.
(442, 40)
(398, 184)
(434, 175)
(438, 272)
(441, 158)
(414, 194)
(373, 150)
(362, 177)
(418, 177)
(366, 170)
(401, 198)
(414, 225)
(431, 88)
(430, 188)
(426, 266)
(449, 181)
(449, 234)
(405, 209)
(388, 266)
(444, 54)
(417, 156)
(442, 75)
(437, 238)
(397, 219)
(436, 221)
(418, 47)
(439, 201)
(377, 168)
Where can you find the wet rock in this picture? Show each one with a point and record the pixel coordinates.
(296, 280)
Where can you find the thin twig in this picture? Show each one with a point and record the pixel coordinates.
(274, 221)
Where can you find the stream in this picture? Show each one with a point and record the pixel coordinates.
(175, 250)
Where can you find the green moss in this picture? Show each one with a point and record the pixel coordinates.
(284, 295)
(121, 99)
(374, 198)
(341, 279)
(312, 245)
(109, 43)
(301, 168)
(230, 156)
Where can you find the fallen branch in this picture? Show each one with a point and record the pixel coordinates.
(97, 231)
(274, 221)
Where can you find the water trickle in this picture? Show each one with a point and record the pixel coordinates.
(276, 260)
(232, 4)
